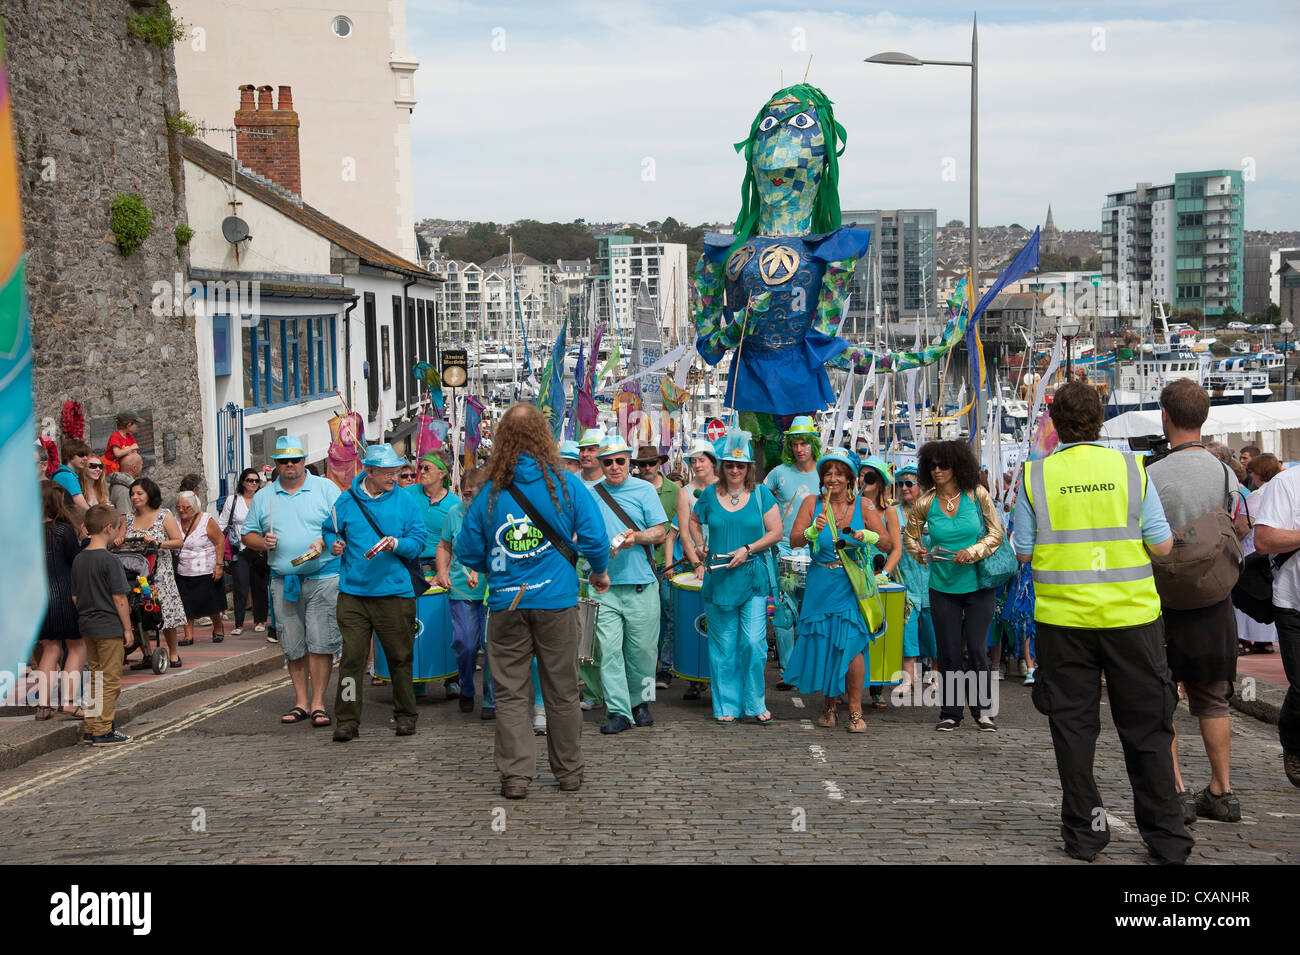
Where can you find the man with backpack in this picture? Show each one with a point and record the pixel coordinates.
(1196, 488)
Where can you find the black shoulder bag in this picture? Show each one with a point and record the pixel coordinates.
(622, 516)
(565, 548)
(1253, 594)
(418, 584)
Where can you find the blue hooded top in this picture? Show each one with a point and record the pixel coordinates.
(397, 516)
(515, 555)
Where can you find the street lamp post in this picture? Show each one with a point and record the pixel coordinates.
(1069, 331)
(904, 59)
(1287, 328)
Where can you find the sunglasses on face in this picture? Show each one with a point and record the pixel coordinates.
(614, 462)
(907, 484)
(940, 467)
(252, 480)
(428, 467)
(735, 464)
(96, 466)
(408, 475)
(292, 460)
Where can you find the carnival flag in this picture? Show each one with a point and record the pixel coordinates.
(23, 584)
(611, 363)
(551, 397)
(473, 418)
(909, 389)
(579, 371)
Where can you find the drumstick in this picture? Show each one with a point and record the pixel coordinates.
(518, 596)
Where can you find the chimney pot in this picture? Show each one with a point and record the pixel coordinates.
(286, 98)
(246, 96)
(264, 98)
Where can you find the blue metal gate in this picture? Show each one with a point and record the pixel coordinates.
(230, 447)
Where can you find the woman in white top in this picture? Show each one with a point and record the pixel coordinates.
(248, 570)
(200, 567)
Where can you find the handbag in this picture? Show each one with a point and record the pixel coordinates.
(861, 578)
(418, 582)
(998, 567)
(1253, 592)
(783, 617)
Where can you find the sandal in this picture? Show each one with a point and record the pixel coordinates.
(76, 713)
(726, 721)
(320, 718)
(856, 723)
(44, 712)
(764, 722)
(295, 715)
(827, 719)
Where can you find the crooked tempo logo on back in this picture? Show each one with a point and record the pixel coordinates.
(518, 537)
(76, 908)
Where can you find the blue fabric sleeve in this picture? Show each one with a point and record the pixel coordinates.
(414, 532)
(470, 547)
(766, 499)
(253, 521)
(588, 524)
(67, 480)
(1155, 526)
(1024, 523)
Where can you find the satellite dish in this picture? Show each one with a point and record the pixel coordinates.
(234, 229)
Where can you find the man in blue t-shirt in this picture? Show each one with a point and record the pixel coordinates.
(627, 626)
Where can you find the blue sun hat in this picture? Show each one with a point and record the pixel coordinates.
(801, 426)
(843, 456)
(881, 467)
(569, 450)
(381, 456)
(591, 438)
(736, 447)
(702, 446)
(288, 446)
(906, 469)
(614, 444)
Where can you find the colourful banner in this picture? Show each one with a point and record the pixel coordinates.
(473, 418)
(23, 586)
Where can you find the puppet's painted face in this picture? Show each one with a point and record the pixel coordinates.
(789, 156)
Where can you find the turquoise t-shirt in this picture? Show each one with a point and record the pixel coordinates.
(640, 501)
(962, 529)
(790, 486)
(460, 588)
(728, 532)
(298, 520)
(67, 479)
(433, 514)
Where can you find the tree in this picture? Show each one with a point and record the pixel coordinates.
(670, 226)
(422, 244)
(1092, 263)
(1017, 225)
(956, 224)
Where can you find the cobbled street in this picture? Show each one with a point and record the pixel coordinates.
(216, 779)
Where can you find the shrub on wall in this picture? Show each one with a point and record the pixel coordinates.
(132, 222)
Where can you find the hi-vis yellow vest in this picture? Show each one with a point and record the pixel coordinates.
(1090, 568)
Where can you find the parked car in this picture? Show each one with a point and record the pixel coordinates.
(1239, 327)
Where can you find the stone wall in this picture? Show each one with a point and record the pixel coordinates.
(90, 109)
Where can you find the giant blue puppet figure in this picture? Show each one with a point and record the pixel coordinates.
(786, 270)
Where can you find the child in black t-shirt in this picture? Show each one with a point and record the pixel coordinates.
(99, 589)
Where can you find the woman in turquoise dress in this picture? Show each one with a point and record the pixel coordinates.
(828, 657)
(744, 524)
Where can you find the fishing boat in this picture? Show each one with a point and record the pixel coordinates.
(1237, 380)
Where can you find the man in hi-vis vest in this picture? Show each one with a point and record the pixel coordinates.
(1086, 516)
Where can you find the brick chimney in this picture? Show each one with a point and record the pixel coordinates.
(276, 156)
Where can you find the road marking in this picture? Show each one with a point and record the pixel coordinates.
(818, 753)
(797, 701)
(97, 756)
(832, 790)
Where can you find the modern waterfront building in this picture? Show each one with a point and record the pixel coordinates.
(1185, 238)
(902, 250)
(622, 264)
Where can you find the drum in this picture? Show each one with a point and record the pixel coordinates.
(588, 611)
(885, 653)
(690, 630)
(796, 566)
(434, 657)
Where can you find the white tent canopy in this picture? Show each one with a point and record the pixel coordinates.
(1267, 419)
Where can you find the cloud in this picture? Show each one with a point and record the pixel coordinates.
(578, 105)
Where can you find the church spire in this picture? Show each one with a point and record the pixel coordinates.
(1050, 226)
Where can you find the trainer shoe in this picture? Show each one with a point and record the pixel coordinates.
(467, 704)
(539, 721)
(947, 726)
(1030, 677)
(1187, 806)
(1224, 808)
(113, 736)
(487, 713)
(986, 724)
(586, 705)
(663, 679)
(1291, 763)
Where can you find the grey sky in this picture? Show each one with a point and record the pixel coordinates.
(614, 111)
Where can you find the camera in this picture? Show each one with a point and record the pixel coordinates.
(1156, 444)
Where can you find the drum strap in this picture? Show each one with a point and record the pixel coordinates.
(622, 516)
(541, 524)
